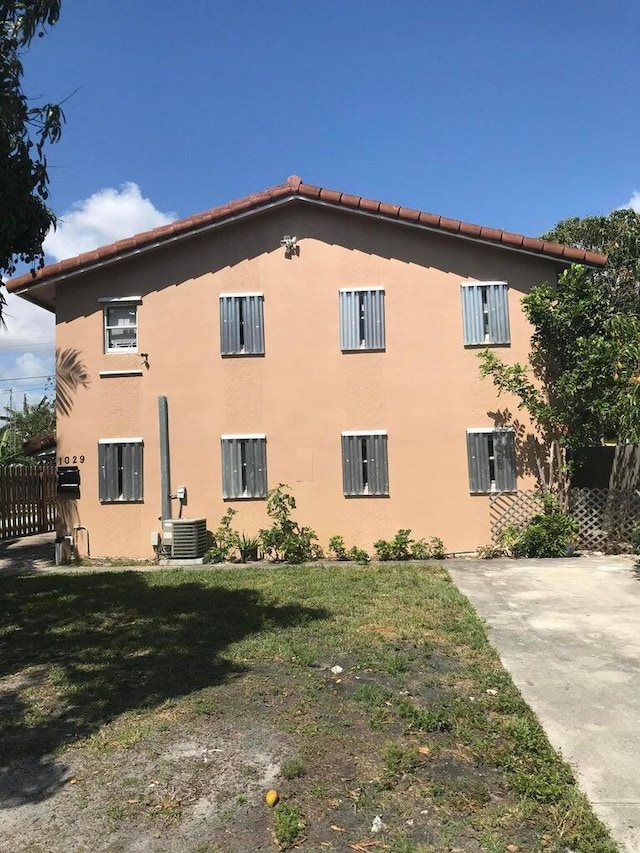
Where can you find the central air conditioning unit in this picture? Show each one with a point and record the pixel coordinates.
(185, 538)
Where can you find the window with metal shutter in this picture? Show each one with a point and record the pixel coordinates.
(491, 457)
(485, 313)
(244, 466)
(120, 465)
(242, 324)
(362, 319)
(365, 468)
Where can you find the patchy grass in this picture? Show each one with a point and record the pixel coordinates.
(157, 708)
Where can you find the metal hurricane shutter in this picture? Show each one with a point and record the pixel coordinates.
(349, 320)
(231, 468)
(472, 319)
(498, 304)
(478, 456)
(229, 326)
(135, 479)
(351, 466)
(504, 449)
(377, 465)
(108, 472)
(374, 319)
(253, 325)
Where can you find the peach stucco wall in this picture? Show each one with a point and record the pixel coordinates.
(424, 389)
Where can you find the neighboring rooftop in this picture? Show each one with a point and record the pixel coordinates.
(293, 188)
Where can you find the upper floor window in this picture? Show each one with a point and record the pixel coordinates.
(365, 468)
(362, 319)
(120, 323)
(485, 313)
(241, 324)
(491, 455)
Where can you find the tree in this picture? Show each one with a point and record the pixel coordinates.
(583, 376)
(617, 236)
(25, 131)
(34, 420)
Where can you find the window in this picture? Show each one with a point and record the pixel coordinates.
(121, 323)
(361, 319)
(492, 460)
(364, 463)
(120, 469)
(241, 324)
(244, 466)
(485, 313)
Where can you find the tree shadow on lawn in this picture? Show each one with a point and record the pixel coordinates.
(110, 643)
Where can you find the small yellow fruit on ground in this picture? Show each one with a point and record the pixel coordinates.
(271, 797)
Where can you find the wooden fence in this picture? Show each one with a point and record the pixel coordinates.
(27, 500)
(605, 516)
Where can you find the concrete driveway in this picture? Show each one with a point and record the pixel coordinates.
(568, 631)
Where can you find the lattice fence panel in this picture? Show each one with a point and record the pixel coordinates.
(518, 509)
(605, 516)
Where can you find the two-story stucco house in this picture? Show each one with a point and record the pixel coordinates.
(301, 336)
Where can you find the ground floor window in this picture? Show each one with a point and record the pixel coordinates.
(365, 468)
(244, 466)
(492, 460)
(120, 469)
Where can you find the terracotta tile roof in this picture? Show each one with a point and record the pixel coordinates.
(295, 187)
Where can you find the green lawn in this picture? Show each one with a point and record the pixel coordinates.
(111, 683)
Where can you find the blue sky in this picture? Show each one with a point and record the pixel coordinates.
(509, 114)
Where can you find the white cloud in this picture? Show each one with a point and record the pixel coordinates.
(107, 215)
(634, 202)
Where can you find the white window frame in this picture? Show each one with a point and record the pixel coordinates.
(354, 473)
(114, 302)
(491, 474)
(139, 475)
(486, 327)
(353, 324)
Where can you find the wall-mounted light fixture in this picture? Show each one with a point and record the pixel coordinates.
(291, 247)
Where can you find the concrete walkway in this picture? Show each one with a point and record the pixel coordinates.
(27, 554)
(568, 631)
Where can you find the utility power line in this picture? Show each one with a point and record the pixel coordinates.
(22, 378)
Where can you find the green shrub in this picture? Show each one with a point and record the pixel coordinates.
(338, 548)
(635, 538)
(248, 546)
(402, 547)
(341, 552)
(358, 556)
(285, 540)
(225, 540)
(428, 549)
(398, 548)
(548, 534)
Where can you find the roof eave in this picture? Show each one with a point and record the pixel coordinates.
(28, 290)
